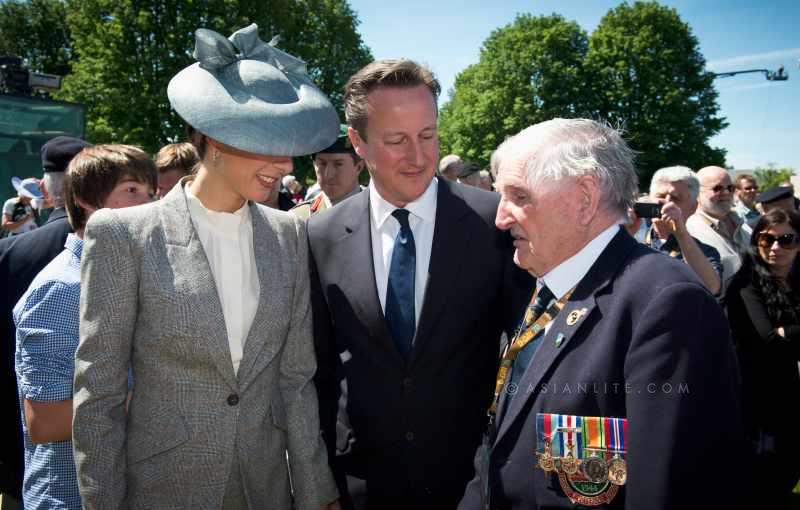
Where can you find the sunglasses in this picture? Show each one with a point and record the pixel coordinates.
(719, 188)
(784, 241)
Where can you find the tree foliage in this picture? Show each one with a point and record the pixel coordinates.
(37, 31)
(129, 50)
(647, 74)
(640, 69)
(529, 71)
(772, 176)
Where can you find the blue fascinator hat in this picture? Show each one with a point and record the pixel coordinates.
(252, 96)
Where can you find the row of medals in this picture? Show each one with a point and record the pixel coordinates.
(595, 468)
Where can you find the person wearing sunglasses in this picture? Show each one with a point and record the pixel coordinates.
(764, 311)
(204, 296)
(715, 224)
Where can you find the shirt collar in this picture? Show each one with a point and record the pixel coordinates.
(423, 207)
(569, 273)
(74, 244)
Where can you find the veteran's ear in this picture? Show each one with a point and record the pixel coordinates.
(588, 194)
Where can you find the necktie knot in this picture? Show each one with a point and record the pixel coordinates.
(401, 215)
(542, 301)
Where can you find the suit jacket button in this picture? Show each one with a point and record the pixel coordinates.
(233, 399)
(409, 436)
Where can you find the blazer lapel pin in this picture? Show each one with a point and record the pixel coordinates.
(559, 339)
(576, 315)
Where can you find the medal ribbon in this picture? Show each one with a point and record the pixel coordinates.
(594, 438)
(528, 330)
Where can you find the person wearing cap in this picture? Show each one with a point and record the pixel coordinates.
(18, 214)
(777, 197)
(447, 167)
(204, 296)
(469, 173)
(337, 169)
(21, 259)
(47, 317)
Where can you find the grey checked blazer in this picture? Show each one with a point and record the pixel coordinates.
(149, 302)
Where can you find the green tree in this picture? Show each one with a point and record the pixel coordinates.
(771, 176)
(37, 31)
(647, 75)
(130, 49)
(529, 71)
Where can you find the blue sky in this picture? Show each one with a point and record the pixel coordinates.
(764, 116)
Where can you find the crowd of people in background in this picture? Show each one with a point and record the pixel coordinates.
(131, 332)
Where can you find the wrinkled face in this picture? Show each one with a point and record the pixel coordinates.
(337, 174)
(747, 191)
(401, 149)
(167, 180)
(250, 176)
(676, 193)
(128, 193)
(541, 220)
(716, 194)
(774, 254)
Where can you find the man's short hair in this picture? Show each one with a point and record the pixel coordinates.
(177, 156)
(95, 171)
(564, 148)
(672, 174)
(383, 73)
(744, 177)
(54, 184)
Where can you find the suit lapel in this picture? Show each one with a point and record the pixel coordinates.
(357, 276)
(450, 237)
(567, 324)
(190, 265)
(267, 251)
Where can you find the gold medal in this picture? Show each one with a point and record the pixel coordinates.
(617, 470)
(569, 464)
(546, 461)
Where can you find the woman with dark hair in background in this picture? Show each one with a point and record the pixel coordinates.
(764, 311)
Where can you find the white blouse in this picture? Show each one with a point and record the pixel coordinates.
(227, 239)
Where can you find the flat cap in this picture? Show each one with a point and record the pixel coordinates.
(773, 194)
(59, 151)
(467, 168)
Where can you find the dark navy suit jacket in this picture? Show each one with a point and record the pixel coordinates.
(418, 423)
(21, 259)
(654, 347)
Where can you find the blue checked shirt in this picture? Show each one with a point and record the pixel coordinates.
(47, 318)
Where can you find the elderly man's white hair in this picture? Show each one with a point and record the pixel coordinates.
(54, 184)
(672, 174)
(564, 148)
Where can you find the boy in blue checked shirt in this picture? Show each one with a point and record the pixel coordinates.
(47, 318)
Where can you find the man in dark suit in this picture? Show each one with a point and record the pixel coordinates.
(21, 259)
(624, 393)
(412, 287)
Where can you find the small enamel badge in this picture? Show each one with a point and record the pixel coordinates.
(575, 315)
(559, 339)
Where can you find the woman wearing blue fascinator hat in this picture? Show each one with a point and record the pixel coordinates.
(203, 297)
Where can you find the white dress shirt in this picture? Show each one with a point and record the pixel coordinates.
(227, 239)
(569, 273)
(384, 228)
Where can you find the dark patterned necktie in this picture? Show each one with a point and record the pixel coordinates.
(540, 304)
(400, 315)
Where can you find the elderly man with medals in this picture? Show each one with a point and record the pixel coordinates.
(620, 388)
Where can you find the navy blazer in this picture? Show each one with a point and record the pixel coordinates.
(417, 424)
(653, 346)
(21, 258)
